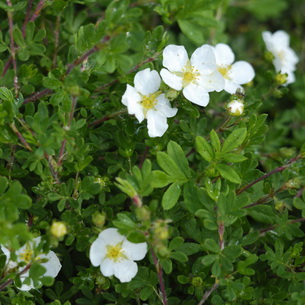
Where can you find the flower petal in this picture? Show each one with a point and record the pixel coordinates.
(175, 58)
(241, 73)
(107, 267)
(97, 252)
(171, 79)
(203, 59)
(281, 38)
(224, 55)
(267, 37)
(147, 82)
(212, 82)
(164, 107)
(53, 264)
(125, 270)
(231, 87)
(196, 94)
(156, 123)
(134, 251)
(111, 236)
(6, 252)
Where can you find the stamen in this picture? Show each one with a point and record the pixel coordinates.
(115, 253)
(224, 70)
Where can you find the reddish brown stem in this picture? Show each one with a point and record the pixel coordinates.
(27, 16)
(106, 118)
(12, 47)
(160, 276)
(10, 281)
(37, 11)
(273, 227)
(276, 170)
(208, 293)
(20, 137)
(37, 96)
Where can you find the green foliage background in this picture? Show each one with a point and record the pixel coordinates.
(70, 152)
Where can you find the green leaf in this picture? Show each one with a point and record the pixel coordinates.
(204, 149)
(171, 196)
(228, 173)
(234, 140)
(18, 38)
(160, 179)
(177, 154)
(211, 245)
(234, 158)
(179, 256)
(176, 243)
(215, 140)
(209, 259)
(170, 166)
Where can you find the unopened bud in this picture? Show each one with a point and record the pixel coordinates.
(161, 229)
(98, 219)
(171, 94)
(269, 56)
(58, 229)
(163, 251)
(143, 213)
(281, 79)
(197, 281)
(235, 107)
(295, 183)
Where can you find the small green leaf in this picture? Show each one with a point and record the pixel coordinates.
(228, 173)
(211, 245)
(204, 149)
(171, 196)
(234, 140)
(215, 140)
(234, 158)
(160, 179)
(179, 256)
(18, 38)
(170, 166)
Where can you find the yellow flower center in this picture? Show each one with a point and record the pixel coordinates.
(281, 55)
(224, 70)
(149, 101)
(26, 256)
(190, 74)
(115, 253)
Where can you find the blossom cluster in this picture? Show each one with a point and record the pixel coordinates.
(284, 58)
(208, 69)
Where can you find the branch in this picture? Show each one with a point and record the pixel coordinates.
(207, 293)
(20, 137)
(135, 68)
(160, 276)
(37, 10)
(274, 226)
(27, 16)
(37, 96)
(12, 47)
(107, 117)
(8, 282)
(276, 170)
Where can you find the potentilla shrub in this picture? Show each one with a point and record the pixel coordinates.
(152, 152)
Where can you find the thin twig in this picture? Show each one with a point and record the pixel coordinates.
(207, 293)
(37, 96)
(274, 226)
(20, 137)
(160, 276)
(12, 46)
(135, 68)
(276, 170)
(37, 11)
(27, 16)
(221, 232)
(9, 281)
(106, 118)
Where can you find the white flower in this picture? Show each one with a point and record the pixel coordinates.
(196, 77)
(26, 254)
(145, 101)
(234, 74)
(285, 59)
(235, 107)
(116, 255)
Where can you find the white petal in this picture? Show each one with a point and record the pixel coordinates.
(203, 59)
(241, 73)
(125, 270)
(107, 267)
(224, 55)
(196, 95)
(231, 87)
(281, 38)
(267, 37)
(156, 123)
(147, 82)
(174, 58)
(25, 287)
(164, 107)
(131, 94)
(97, 252)
(6, 252)
(171, 79)
(135, 251)
(290, 77)
(212, 82)
(53, 264)
(111, 236)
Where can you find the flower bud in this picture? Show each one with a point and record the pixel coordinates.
(281, 79)
(143, 213)
(58, 229)
(235, 107)
(171, 94)
(161, 229)
(98, 219)
(197, 281)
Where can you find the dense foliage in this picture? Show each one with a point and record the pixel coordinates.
(218, 199)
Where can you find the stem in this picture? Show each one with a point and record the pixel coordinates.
(221, 231)
(20, 137)
(273, 227)
(300, 192)
(8, 282)
(276, 170)
(56, 40)
(63, 143)
(135, 68)
(12, 47)
(37, 96)
(27, 16)
(207, 293)
(160, 276)
(107, 117)
(37, 10)
(53, 171)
